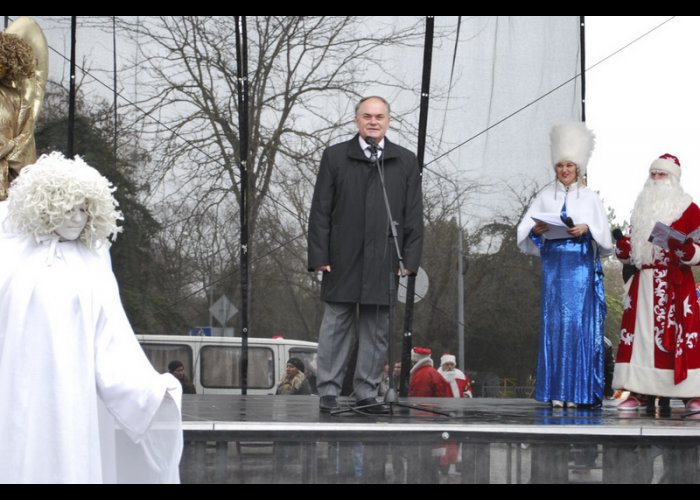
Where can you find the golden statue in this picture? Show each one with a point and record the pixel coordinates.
(24, 63)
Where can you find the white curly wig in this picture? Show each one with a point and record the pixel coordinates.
(47, 190)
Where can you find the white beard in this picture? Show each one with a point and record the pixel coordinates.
(662, 201)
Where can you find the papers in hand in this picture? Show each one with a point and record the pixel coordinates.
(557, 228)
(661, 233)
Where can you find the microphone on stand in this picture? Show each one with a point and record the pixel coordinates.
(372, 143)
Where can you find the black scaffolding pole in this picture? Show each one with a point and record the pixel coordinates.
(242, 86)
(422, 128)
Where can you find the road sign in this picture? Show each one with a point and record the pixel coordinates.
(421, 290)
(200, 331)
(220, 331)
(223, 310)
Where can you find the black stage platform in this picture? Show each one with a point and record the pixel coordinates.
(268, 439)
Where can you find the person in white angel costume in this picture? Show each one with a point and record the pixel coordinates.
(80, 401)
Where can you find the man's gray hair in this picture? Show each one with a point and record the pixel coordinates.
(388, 108)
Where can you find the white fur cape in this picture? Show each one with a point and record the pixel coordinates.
(582, 205)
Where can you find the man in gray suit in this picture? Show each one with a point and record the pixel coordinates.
(349, 242)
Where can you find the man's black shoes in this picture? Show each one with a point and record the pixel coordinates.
(372, 407)
(369, 406)
(328, 404)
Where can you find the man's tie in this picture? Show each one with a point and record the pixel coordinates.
(372, 155)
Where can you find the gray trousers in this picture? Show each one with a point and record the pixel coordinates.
(335, 342)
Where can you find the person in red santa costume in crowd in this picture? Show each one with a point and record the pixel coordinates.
(659, 350)
(459, 387)
(456, 378)
(425, 381)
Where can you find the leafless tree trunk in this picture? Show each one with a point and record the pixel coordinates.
(305, 74)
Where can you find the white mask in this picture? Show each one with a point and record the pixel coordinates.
(73, 224)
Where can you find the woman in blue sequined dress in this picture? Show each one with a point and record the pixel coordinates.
(567, 227)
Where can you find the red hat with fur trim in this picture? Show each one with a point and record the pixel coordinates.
(419, 353)
(448, 358)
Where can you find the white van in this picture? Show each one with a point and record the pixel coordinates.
(213, 363)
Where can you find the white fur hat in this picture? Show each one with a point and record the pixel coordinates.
(572, 142)
(667, 163)
(448, 358)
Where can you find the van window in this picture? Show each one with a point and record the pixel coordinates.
(161, 354)
(308, 356)
(221, 367)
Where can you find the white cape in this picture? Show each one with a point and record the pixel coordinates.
(80, 401)
(582, 205)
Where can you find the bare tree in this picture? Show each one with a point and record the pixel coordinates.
(305, 73)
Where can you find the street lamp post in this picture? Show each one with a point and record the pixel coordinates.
(460, 294)
(461, 356)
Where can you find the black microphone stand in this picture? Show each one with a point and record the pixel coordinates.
(391, 399)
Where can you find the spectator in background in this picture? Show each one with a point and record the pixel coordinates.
(459, 388)
(384, 384)
(294, 381)
(178, 371)
(397, 376)
(425, 381)
(456, 378)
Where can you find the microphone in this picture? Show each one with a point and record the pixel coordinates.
(568, 221)
(628, 270)
(372, 143)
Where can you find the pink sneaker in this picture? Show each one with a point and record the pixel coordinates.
(693, 404)
(632, 403)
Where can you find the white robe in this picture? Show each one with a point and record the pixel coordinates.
(582, 205)
(80, 401)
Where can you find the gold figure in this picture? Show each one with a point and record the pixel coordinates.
(24, 63)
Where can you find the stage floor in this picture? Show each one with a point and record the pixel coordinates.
(216, 412)
(287, 439)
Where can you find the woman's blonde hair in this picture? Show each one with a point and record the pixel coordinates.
(17, 60)
(44, 193)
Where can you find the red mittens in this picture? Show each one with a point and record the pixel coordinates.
(623, 247)
(684, 250)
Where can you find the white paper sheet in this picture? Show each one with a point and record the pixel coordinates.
(661, 233)
(557, 228)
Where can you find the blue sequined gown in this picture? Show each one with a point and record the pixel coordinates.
(570, 361)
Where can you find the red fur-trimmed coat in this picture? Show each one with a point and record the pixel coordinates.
(659, 350)
(426, 382)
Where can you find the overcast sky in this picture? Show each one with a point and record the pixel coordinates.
(642, 102)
